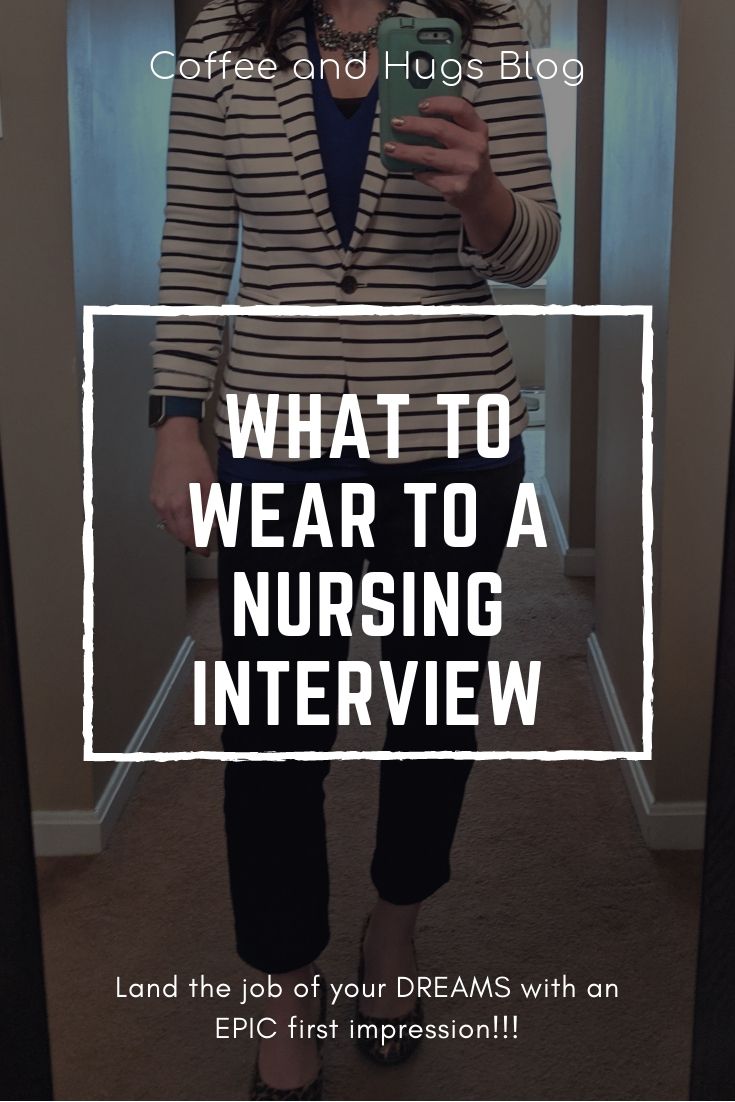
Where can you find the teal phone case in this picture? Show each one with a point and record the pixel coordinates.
(401, 93)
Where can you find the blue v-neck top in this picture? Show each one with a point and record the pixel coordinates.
(344, 142)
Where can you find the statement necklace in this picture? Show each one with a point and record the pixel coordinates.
(353, 44)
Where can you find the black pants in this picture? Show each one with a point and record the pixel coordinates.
(274, 811)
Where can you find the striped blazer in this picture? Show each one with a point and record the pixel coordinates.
(244, 161)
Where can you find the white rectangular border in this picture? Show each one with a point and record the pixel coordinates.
(644, 312)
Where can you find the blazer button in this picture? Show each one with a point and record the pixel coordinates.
(348, 285)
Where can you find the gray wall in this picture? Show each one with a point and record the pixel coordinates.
(39, 412)
(572, 349)
(668, 100)
(92, 241)
(118, 123)
(640, 139)
(695, 397)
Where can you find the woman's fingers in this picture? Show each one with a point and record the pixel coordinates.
(180, 525)
(461, 161)
(180, 461)
(465, 147)
(184, 527)
(447, 133)
(460, 111)
(449, 186)
(175, 513)
(459, 168)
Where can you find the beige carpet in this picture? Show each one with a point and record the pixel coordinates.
(550, 877)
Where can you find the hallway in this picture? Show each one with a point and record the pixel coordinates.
(567, 887)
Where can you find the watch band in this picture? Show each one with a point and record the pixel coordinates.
(163, 406)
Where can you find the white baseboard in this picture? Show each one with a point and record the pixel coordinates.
(664, 824)
(579, 562)
(78, 832)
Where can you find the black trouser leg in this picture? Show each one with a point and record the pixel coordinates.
(420, 801)
(277, 856)
(274, 811)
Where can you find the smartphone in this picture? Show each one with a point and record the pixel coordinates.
(418, 58)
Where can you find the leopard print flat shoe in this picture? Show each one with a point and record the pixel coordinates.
(314, 1090)
(368, 1038)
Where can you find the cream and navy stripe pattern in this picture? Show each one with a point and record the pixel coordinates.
(244, 161)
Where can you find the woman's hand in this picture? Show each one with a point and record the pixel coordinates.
(461, 172)
(180, 459)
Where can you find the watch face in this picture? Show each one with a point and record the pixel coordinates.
(155, 410)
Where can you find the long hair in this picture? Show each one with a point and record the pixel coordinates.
(264, 24)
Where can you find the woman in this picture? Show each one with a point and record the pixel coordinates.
(298, 162)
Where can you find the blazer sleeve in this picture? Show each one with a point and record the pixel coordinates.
(514, 112)
(200, 233)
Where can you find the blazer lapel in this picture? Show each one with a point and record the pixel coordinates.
(294, 97)
(371, 189)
